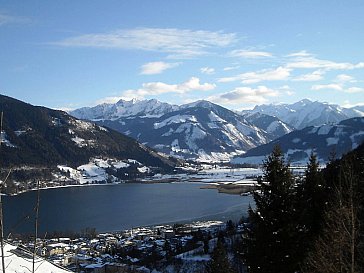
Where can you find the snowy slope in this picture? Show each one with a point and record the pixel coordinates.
(272, 125)
(41, 137)
(21, 262)
(306, 113)
(322, 140)
(201, 130)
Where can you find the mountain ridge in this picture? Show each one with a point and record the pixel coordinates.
(199, 130)
(325, 141)
(38, 138)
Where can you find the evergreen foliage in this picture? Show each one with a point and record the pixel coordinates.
(272, 237)
(44, 138)
(339, 247)
(311, 198)
(219, 262)
(312, 225)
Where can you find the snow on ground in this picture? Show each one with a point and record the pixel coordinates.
(21, 132)
(79, 141)
(273, 126)
(175, 119)
(170, 132)
(357, 139)
(215, 118)
(214, 157)
(143, 169)
(4, 140)
(94, 171)
(16, 262)
(332, 141)
(324, 130)
(83, 125)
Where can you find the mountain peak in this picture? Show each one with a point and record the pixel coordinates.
(306, 113)
(124, 108)
(200, 103)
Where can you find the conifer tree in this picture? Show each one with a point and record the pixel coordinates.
(219, 262)
(271, 236)
(337, 249)
(311, 202)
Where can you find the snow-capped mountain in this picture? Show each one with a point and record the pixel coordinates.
(113, 111)
(323, 140)
(272, 125)
(201, 130)
(307, 113)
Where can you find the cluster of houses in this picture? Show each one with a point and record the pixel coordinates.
(134, 249)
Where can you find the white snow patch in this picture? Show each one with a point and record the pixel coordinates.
(175, 119)
(332, 141)
(314, 130)
(92, 173)
(357, 139)
(79, 141)
(273, 126)
(324, 130)
(296, 140)
(4, 140)
(120, 164)
(215, 118)
(103, 129)
(21, 132)
(143, 169)
(17, 263)
(170, 132)
(83, 125)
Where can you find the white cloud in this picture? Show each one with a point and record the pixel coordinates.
(280, 73)
(228, 68)
(178, 43)
(347, 104)
(342, 78)
(310, 77)
(306, 60)
(332, 86)
(158, 88)
(246, 95)
(249, 54)
(9, 19)
(302, 53)
(156, 67)
(338, 87)
(207, 70)
(354, 90)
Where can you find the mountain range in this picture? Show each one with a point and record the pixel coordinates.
(329, 140)
(205, 131)
(200, 130)
(308, 113)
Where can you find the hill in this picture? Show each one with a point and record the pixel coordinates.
(37, 137)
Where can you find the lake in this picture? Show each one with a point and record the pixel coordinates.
(118, 207)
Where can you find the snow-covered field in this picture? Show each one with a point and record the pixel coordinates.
(21, 262)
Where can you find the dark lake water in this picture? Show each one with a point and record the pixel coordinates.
(117, 207)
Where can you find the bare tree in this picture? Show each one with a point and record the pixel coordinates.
(335, 250)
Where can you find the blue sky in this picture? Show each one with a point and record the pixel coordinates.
(237, 53)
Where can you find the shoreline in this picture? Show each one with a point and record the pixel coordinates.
(236, 187)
